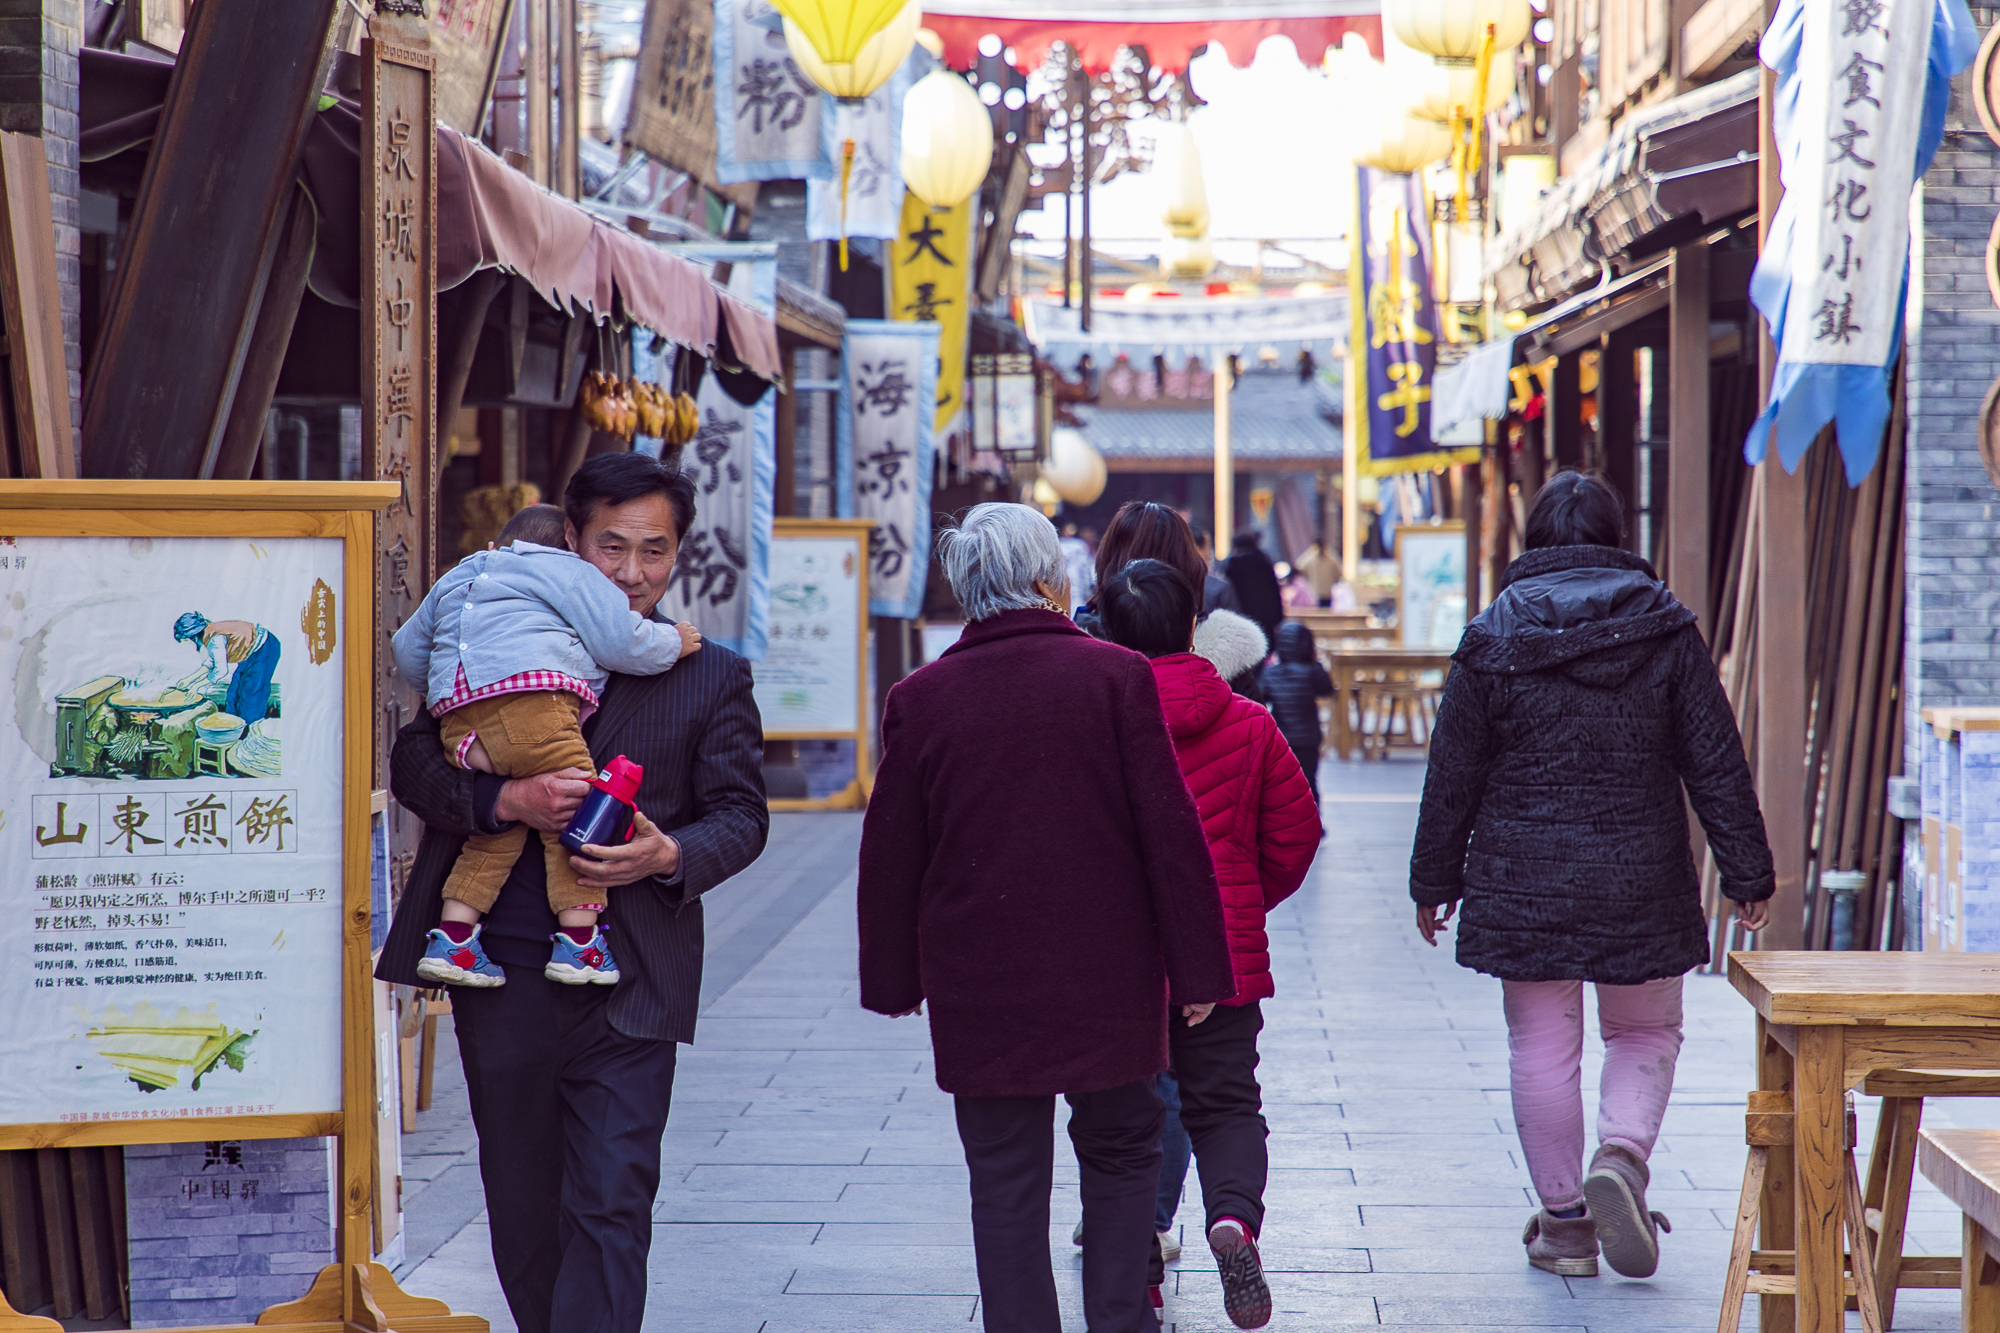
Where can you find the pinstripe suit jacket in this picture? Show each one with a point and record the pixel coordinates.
(697, 732)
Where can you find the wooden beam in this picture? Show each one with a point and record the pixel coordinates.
(217, 182)
(1617, 416)
(33, 304)
(539, 57)
(277, 310)
(1687, 434)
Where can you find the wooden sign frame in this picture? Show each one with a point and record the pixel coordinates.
(353, 1294)
(855, 795)
(1453, 528)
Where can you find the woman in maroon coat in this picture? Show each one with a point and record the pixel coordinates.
(1044, 959)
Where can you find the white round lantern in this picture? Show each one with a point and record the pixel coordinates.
(947, 139)
(1402, 143)
(1075, 469)
(1449, 31)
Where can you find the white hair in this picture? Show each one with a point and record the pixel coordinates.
(995, 556)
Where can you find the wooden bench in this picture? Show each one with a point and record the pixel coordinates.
(1965, 1165)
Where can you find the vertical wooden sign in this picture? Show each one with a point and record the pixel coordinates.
(398, 352)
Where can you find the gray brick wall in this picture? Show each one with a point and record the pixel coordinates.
(1951, 650)
(218, 1232)
(39, 40)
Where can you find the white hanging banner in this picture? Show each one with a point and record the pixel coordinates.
(767, 112)
(884, 460)
(875, 181)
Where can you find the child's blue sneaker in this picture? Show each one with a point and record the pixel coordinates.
(576, 964)
(453, 964)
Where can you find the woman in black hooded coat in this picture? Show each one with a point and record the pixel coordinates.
(1580, 705)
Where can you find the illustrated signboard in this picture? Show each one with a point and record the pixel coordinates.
(1430, 597)
(184, 734)
(812, 683)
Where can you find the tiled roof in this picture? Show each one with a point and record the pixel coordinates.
(1272, 417)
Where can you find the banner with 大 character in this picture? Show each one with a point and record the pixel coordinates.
(883, 454)
(1395, 334)
(1862, 90)
(172, 834)
(930, 278)
(721, 582)
(768, 114)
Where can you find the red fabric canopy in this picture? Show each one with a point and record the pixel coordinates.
(1171, 33)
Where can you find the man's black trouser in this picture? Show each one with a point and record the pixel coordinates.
(1010, 1152)
(1215, 1062)
(1308, 757)
(570, 1115)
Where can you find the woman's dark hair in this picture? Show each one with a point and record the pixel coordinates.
(1576, 509)
(1147, 606)
(1144, 530)
(614, 479)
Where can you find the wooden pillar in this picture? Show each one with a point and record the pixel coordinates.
(1617, 412)
(1565, 425)
(218, 181)
(1687, 433)
(1472, 508)
(536, 89)
(1225, 459)
(785, 487)
(569, 122)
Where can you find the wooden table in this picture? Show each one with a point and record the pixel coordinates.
(1825, 1021)
(1389, 680)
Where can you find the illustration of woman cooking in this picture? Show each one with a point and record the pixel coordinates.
(243, 655)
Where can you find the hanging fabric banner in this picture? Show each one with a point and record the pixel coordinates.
(875, 182)
(767, 112)
(930, 279)
(883, 454)
(1862, 94)
(721, 583)
(1395, 334)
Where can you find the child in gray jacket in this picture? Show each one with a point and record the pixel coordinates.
(514, 645)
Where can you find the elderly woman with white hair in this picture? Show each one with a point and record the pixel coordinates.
(1045, 959)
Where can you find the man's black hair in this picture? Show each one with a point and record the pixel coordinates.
(1576, 509)
(613, 479)
(1148, 607)
(540, 524)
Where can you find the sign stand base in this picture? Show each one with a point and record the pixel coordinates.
(345, 1298)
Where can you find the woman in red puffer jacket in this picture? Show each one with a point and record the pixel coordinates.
(1263, 828)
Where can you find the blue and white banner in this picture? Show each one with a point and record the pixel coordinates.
(875, 181)
(722, 581)
(768, 114)
(1862, 88)
(883, 457)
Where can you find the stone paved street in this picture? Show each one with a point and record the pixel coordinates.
(814, 1184)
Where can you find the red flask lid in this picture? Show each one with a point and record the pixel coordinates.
(620, 781)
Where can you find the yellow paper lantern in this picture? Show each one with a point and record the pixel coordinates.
(1075, 470)
(1402, 143)
(838, 29)
(1449, 31)
(947, 139)
(1436, 90)
(878, 58)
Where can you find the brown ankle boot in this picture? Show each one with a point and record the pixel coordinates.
(1565, 1246)
(1615, 1191)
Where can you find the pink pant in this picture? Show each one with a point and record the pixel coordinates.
(1642, 1036)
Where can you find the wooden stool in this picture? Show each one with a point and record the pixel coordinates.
(1891, 1167)
(1768, 1125)
(1965, 1166)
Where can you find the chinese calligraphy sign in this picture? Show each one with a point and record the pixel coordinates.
(771, 121)
(930, 276)
(719, 580)
(1396, 327)
(889, 375)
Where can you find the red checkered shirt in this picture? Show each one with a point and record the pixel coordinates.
(522, 682)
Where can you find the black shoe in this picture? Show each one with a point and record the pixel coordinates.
(1245, 1295)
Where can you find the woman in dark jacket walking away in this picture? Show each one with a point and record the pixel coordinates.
(1045, 960)
(1255, 579)
(1581, 703)
(1293, 686)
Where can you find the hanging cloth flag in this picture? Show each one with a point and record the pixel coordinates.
(883, 454)
(1862, 90)
(930, 278)
(875, 181)
(1395, 327)
(768, 114)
